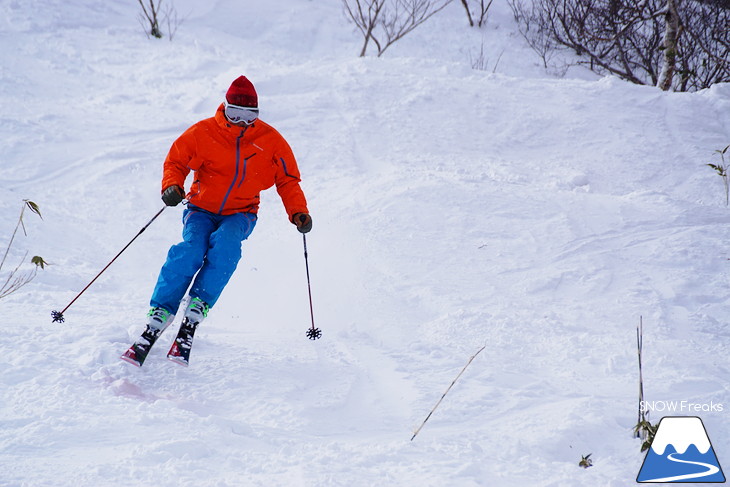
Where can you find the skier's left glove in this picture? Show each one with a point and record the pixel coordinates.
(303, 222)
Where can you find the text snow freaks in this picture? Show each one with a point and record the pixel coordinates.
(680, 407)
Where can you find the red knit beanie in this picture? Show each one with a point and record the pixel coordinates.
(242, 93)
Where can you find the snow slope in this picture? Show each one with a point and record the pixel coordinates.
(452, 208)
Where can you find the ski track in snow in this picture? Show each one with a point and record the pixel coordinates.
(452, 208)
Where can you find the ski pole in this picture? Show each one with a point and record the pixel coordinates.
(58, 315)
(312, 333)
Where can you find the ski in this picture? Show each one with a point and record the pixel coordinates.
(137, 353)
(180, 349)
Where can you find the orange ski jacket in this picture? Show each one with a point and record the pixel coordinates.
(232, 165)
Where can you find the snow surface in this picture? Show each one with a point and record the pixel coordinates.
(453, 207)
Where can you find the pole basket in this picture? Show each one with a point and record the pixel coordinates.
(314, 333)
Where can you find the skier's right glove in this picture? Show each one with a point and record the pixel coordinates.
(303, 222)
(173, 195)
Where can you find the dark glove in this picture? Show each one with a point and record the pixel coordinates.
(173, 195)
(303, 222)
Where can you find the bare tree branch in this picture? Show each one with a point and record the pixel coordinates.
(152, 17)
(386, 21)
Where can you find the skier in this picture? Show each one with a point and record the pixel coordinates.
(234, 156)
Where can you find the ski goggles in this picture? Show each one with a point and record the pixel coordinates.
(237, 114)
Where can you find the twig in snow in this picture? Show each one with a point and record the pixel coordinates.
(446, 392)
(640, 346)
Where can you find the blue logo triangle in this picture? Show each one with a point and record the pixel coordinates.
(681, 452)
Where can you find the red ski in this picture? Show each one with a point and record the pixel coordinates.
(180, 349)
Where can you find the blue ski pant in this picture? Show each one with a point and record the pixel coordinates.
(211, 248)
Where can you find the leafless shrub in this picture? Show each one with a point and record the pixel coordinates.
(481, 62)
(153, 14)
(642, 41)
(705, 55)
(535, 25)
(481, 7)
(386, 21)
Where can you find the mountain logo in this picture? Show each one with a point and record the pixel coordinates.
(681, 452)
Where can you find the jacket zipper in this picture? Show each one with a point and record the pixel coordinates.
(235, 176)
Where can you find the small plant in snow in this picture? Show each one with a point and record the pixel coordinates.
(646, 431)
(586, 461)
(721, 169)
(17, 279)
(481, 62)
